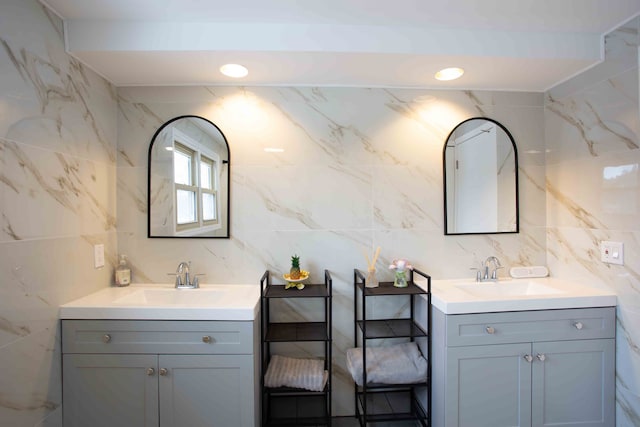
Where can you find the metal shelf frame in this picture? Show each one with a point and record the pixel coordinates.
(285, 406)
(391, 402)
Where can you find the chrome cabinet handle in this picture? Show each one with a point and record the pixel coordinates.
(207, 339)
(578, 325)
(528, 358)
(541, 357)
(490, 330)
(163, 371)
(106, 338)
(151, 371)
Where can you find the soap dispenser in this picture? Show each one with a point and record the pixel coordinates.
(123, 272)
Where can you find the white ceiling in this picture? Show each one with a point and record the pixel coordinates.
(524, 45)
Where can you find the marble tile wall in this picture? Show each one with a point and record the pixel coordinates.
(58, 192)
(592, 132)
(360, 168)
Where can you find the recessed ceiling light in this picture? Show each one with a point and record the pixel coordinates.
(234, 70)
(449, 74)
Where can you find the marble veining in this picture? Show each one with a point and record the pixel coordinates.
(579, 213)
(7, 326)
(57, 199)
(72, 186)
(66, 89)
(476, 101)
(595, 122)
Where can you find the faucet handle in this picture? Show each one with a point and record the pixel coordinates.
(196, 280)
(494, 274)
(478, 273)
(178, 278)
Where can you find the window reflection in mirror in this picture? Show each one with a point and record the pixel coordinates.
(480, 164)
(188, 180)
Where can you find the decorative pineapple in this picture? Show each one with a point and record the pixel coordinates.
(294, 272)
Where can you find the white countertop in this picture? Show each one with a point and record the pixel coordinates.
(467, 296)
(164, 302)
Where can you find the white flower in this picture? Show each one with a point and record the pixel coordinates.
(400, 265)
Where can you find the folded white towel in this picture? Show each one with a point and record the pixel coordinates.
(308, 374)
(395, 364)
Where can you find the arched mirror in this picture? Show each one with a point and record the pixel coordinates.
(480, 164)
(188, 183)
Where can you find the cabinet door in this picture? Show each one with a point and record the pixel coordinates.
(207, 390)
(106, 390)
(488, 386)
(573, 384)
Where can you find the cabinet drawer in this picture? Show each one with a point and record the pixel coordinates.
(530, 326)
(157, 336)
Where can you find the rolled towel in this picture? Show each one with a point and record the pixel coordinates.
(395, 364)
(308, 374)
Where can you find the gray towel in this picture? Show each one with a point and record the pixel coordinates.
(395, 364)
(308, 374)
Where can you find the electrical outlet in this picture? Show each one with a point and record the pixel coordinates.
(612, 252)
(98, 255)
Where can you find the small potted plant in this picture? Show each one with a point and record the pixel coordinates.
(400, 266)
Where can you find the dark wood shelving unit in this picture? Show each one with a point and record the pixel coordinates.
(391, 402)
(286, 406)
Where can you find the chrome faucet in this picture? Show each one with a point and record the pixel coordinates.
(496, 267)
(183, 281)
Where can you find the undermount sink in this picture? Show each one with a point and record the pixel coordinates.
(508, 288)
(172, 297)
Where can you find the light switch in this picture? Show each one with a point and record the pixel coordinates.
(98, 255)
(612, 252)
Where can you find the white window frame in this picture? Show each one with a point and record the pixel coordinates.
(198, 150)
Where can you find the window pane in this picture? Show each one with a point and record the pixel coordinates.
(205, 175)
(208, 207)
(186, 201)
(182, 167)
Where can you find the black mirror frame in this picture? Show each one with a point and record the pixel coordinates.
(444, 178)
(228, 162)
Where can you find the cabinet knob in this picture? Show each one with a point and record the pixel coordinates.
(207, 339)
(578, 325)
(163, 371)
(151, 371)
(528, 358)
(106, 338)
(490, 330)
(541, 357)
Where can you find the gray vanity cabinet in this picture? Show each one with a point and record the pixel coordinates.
(159, 373)
(530, 368)
(105, 390)
(575, 383)
(488, 386)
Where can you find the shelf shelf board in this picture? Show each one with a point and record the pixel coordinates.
(380, 388)
(309, 421)
(391, 406)
(297, 331)
(391, 328)
(292, 391)
(299, 410)
(387, 288)
(309, 291)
